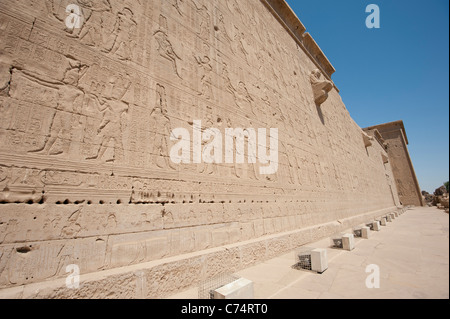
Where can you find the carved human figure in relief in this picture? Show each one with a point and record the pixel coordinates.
(160, 122)
(92, 12)
(67, 112)
(205, 24)
(226, 76)
(111, 128)
(166, 50)
(205, 65)
(243, 97)
(178, 4)
(224, 32)
(208, 168)
(125, 29)
(239, 39)
(113, 122)
(321, 87)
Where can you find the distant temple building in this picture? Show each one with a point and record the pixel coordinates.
(394, 135)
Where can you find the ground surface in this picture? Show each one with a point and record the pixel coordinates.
(412, 254)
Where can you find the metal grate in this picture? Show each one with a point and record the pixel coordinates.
(207, 287)
(357, 232)
(336, 241)
(303, 258)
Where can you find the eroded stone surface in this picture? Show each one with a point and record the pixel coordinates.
(85, 139)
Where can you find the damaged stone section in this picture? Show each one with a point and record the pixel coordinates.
(5, 79)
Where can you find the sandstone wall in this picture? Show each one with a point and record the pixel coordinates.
(394, 135)
(86, 116)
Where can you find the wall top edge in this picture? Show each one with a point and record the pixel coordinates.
(390, 127)
(297, 30)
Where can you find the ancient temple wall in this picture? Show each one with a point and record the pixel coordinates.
(85, 135)
(395, 137)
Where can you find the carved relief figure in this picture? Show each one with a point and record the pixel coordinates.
(111, 129)
(226, 77)
(166, 50)
(223, 30)
(208, 168)
(161, 130)
(239, 38)
(178, 4)
(91, 32)
(114, 111)
(92, 14)
(125, 29)
(69, 107)
(321, 87)
(206, 70)
(243, 98)
(205, 23)
(235, 9)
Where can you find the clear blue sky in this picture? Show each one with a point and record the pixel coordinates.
(397, 72)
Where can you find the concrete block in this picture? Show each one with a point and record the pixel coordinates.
(384, 221)
(389, 218)
(239, 289)
(348, 242)
(396, 214)
(319, 260)
(376, 226)
(393, 216)
(365, 232)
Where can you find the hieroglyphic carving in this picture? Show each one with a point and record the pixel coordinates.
(111, 129)
(107, 113)
(209, 123)
(178, 5)
(80, 128)
(204, 28)
(240, 44)
(204, 64)
(165, 48)
(125, 40)
(236, 10)
(68, 112)
(223, 29)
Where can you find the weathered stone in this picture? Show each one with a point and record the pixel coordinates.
(89, 116)
(440, 191)
(406, 183)
(445, 202)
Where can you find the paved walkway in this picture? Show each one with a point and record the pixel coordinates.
(412, 253)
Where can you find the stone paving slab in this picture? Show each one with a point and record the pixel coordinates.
(412, 253)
